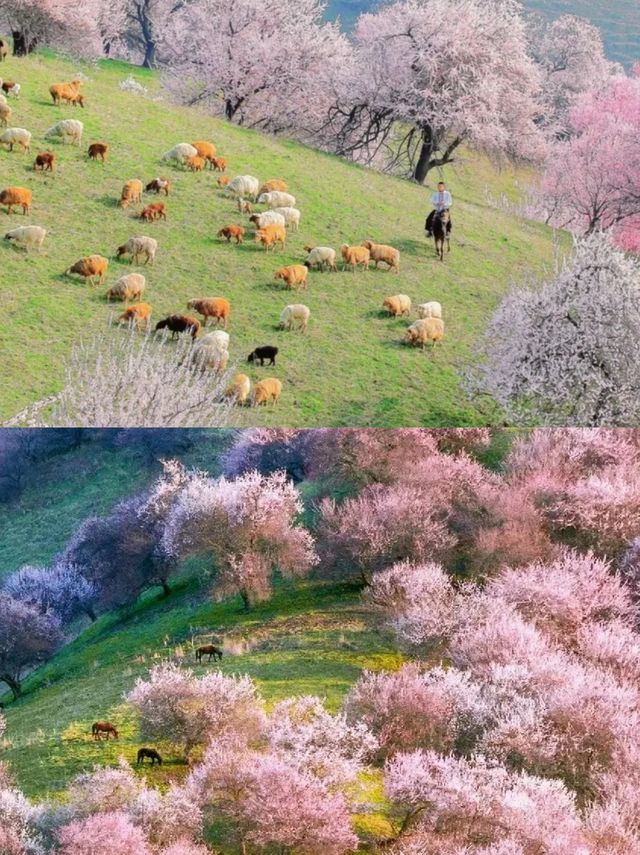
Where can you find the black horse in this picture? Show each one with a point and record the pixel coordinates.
(442, 232)
(148, 754)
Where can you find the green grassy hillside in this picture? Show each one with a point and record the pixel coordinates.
(350, 368)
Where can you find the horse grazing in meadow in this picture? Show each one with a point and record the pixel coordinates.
(148, 754)
(100, 727)
(442, 232)
(209, 649)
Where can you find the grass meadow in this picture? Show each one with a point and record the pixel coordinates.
(351, 367)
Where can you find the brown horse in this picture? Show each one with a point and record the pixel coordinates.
(149, 754)
(442, 232)
(100, 727)
(210, 649)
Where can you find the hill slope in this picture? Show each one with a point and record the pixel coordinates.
(350, 368)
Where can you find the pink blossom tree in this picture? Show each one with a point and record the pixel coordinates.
(103, 834)
(570, 53)
(592, 180)
(430, 77)
(59, 24)
(176, 707)
(271, 69)
(16, 816)
(584, 370)
(248, 526)
(27, 638)
(61, 590)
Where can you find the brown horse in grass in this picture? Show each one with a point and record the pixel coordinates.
(442, 232)
(148, 754)
(100, 727)
(209, 649)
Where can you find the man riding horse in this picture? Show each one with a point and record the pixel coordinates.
(441, 201)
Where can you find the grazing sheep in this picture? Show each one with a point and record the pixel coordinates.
(424, 331)
(131, 192)
(320, 257)
(68, 130)
(430, 310)
(45, 161)
(27, 237)
(294, 315)
(16, 136)
(243, 185)
(219, 164)
(205, 150)
(269, 236)
(11, 88)
(16, 197)
(159, 185)
(267, 351)
(273, 184)
(277, 199)
(139, 314)
(180, 153)
(212, 308)
(398, 305)
(127, 287)
(212, 351)
(64, 91)
(354, 256)
(179, 324)
(223, 181)
(379, 252)
(155, 211)
(294, 276)
(232, 232)
(266, 390)
(217, 338)
(4, 50)
(195, 163)
(139, 246)
(267, 218)
(98, 150)
(5, 114)
(89, 267)
(291, 217)
(244, 207)
(238, 389)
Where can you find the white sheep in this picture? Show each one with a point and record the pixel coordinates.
(137, 246)
(16, 136)
(243, 185)
(69, 131)
(291, 217)
(27, 237)
(277, 199)
(217, 338)
(15, 90)
(321, 257)
(295, 314)
(127, 287)
(180, 153)
(430, 310)
(267, 218)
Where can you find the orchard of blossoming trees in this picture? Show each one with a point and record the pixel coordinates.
(511, 593)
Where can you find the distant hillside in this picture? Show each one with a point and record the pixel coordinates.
(619, 20)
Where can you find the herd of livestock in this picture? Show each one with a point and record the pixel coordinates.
(278, 215)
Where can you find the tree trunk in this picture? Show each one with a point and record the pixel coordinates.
(245, 599)
(14, 685)
(20, 47)
(149, 54)
(166, 590)
(93, 617)
(424, 164)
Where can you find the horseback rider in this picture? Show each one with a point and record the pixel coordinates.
(441, 201)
